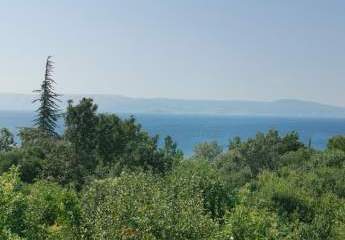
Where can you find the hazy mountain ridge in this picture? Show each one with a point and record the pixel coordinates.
(115, 103)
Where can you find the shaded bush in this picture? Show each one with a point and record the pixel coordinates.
(336, 143)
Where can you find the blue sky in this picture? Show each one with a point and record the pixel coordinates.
(191, 49)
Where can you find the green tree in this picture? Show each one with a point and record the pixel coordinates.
(264, 151)
(125, 144)
(80, 123)
(48, 111)
(6, 140)
(336, 143)
(170, 155)
(207, 150)
(110, 138)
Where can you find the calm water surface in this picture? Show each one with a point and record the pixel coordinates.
(188, 130)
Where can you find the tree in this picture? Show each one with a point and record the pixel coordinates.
(6, 140)
(81, 122)
(171, 155)
(48, 111)
(336, 143)
(264, 151)
(207, 150)
(110, 138)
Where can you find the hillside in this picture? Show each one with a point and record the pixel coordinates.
(114, 103)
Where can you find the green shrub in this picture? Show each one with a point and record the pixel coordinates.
(137, 206)
(12, 206)
(207, 151)
(52, 212)
(336, 143)
(199, 177)
(244, 223)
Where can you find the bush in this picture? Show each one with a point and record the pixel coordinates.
(137, 206)
(336, 143)
(6, 140)
(207, 151)
(52, 212)
(244, 223)
(198, 177)
(38, 211)
(29, 161)
(12, 206)
(264, 151)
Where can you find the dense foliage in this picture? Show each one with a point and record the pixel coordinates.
(107, 178)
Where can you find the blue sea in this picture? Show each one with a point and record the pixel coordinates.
(189, 130)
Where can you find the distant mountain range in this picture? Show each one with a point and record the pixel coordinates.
(121, 104)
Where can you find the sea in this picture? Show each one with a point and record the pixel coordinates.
(189, 130)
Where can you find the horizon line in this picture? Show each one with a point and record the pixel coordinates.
(181, 99)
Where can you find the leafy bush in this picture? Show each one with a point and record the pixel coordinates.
(137, 206)
(264, 151)
(244, 223)
(336, 143)
(12, 206)
(198, 177)
(207, 151)
(6, 140)
(52, 212)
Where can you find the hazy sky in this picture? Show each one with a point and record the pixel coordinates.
(192, 49)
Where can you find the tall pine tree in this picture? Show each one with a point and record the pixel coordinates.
(48, 111)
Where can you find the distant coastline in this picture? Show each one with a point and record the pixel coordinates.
(120, 104)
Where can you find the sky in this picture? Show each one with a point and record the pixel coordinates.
(187, 49)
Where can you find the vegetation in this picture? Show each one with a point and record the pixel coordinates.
(48, 111)
(106, 178)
